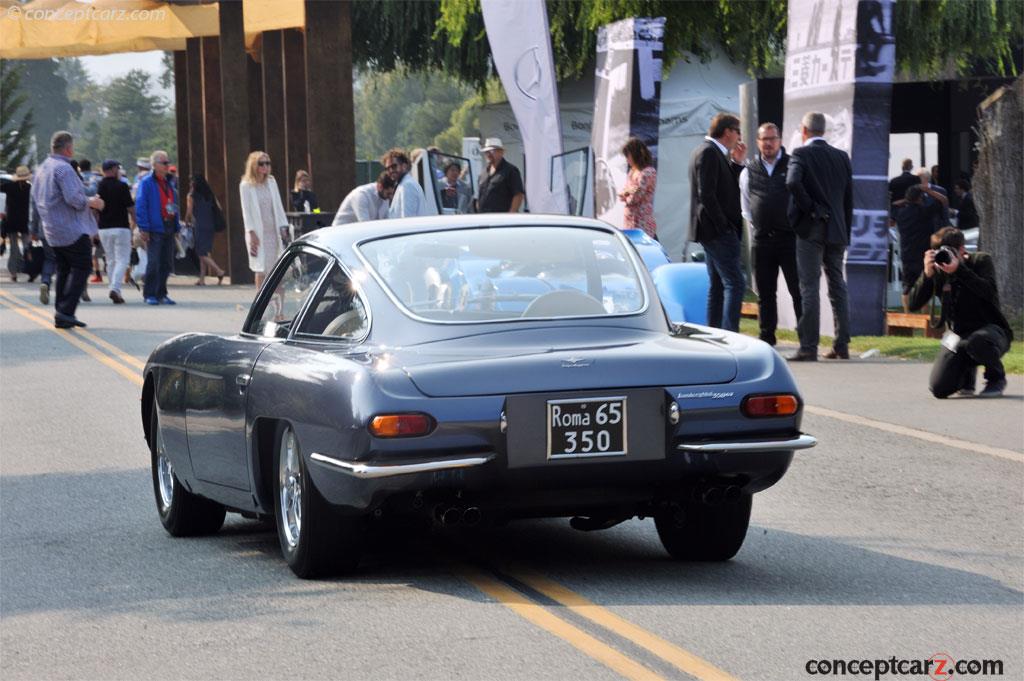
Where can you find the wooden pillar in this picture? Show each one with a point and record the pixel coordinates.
(194, 86)
(275, 132)
(254, 75)
(184, 159)
(235, 101)
(295, 104)
(330, 117)
(213, 117)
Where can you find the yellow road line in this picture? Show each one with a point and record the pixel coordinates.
(680, 659)
(935, 438)
(536, 614)
(112, 349)
(70, 337)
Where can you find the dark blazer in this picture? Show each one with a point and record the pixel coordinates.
(820, 183)
(714, 194)
(899, 185)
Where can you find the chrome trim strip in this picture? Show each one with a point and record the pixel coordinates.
(369, 471)
(725, 446)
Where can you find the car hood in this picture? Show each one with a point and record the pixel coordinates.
(546, 360)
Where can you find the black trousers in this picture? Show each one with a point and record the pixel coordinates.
(769, 254)
(953, 370)
(74, 264)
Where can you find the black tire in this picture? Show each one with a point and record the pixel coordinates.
(182, 513)
(700, 532)
(317, 541)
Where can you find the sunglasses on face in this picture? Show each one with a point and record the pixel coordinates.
(393, 166)
(264, 163)
(162, 163)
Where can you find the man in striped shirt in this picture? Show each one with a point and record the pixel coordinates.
(63, 208)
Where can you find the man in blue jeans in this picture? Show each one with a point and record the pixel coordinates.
(715, 219)
(156, 213)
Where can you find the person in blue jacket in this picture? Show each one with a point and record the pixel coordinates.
(156, 213)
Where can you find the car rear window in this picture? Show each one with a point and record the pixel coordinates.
(507, 273)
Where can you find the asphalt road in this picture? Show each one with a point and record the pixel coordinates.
(900, 535)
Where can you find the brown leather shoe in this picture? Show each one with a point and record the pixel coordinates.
(802, 356)
(837, 354)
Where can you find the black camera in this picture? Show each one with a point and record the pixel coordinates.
(945, 256)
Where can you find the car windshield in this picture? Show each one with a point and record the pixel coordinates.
(505, 273)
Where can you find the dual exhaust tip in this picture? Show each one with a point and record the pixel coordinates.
(457, 515)
(717, 495)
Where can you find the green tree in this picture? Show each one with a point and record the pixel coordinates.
(47, 93)
(136, 120)
(87, 95)
(404, 109)
(931, 36)
(15, 117)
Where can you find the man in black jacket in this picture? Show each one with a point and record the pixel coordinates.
(899, 185)
(978, 332)
(764, 201)
(820, 183)
(715, 219)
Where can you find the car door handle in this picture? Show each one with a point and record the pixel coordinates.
(242, 381)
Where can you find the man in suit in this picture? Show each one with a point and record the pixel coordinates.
(820, 183)
(715, 219)
(899, 185)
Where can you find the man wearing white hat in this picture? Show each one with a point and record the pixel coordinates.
(501, 185)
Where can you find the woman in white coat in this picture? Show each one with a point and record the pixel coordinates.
(263, 215)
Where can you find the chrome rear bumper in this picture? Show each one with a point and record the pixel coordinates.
(367, 471)
(725, 446)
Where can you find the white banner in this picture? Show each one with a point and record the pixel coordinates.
(521, 47)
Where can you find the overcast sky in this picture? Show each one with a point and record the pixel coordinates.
(107, 67)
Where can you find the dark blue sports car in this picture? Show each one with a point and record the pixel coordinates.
(463, 370)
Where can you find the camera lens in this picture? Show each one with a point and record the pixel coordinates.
(944, 256)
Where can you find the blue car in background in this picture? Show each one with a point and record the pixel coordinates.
(467, 370)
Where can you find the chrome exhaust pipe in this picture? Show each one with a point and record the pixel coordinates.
(713, 496)
(451, 515)
(471, 516)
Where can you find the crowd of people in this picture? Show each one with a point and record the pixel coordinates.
(67, 218)
(799, 207)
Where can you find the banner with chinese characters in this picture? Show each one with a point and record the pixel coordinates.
(840, 60)
(627, 103)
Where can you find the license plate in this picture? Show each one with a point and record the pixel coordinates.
(588, 427)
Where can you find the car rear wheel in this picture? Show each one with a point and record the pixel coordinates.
(315, 540)
(182, 513)
(702, 532)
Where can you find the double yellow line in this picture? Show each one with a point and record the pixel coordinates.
(517, 601)
(118, 360)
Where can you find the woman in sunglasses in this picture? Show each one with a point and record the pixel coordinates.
(263, 215)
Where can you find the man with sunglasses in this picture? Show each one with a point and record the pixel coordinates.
(156, 213)
(409, 200)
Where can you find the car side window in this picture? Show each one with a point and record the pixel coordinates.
(337, 310)
(291, 291)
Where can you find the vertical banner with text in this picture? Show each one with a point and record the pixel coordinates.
(627, 103)
(520, 40)
(840, 59)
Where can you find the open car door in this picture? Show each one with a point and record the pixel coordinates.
(447, 182)
(573, 169)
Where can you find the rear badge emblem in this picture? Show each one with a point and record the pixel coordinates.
(576, 363)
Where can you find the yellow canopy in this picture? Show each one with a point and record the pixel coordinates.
(39, 29)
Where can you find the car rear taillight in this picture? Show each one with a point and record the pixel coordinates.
(401, 425)
(759, 406)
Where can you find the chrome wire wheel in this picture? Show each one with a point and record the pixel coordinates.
(164, 475)
(290, 484)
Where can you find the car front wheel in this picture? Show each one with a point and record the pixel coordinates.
(182, 513)
(315, 540)
(703, 532)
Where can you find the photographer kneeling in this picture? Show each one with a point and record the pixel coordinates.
(978, 332)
